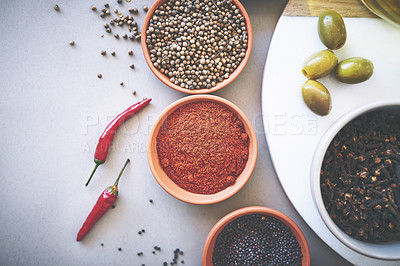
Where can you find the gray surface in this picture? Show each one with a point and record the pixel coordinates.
(54, 108)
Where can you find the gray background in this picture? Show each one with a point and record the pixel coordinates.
(54, 108)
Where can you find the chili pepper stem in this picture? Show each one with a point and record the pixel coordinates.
(90, 178)
(120, 173)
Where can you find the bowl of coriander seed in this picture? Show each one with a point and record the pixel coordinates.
(197, 47)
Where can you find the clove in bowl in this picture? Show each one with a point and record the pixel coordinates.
(354, 179)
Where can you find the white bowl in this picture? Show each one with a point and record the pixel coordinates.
(383, 251)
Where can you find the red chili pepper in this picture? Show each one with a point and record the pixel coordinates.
(105, 202)
(107, 137)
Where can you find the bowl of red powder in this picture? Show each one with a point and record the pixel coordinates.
(202, 149)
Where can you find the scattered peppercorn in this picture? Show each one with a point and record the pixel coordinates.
(203, 44)
(116, 36)
(72, 43)
(56, 8)
(106, 5)
(102, 14)
(256, 239)
(138, 36)
(134, 92)
(116, 11)
(102, 36)
(113, 53)
(146, 8)
(125, 36)
(132, 37)
(121, 83)
(108, 12)
(103, 52)
(176, 257)
(99, 76)
(135, 10)
(130, 52)
(132, 66)
(94, 8)
(108, 30)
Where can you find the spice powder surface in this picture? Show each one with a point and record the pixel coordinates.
(203, 147)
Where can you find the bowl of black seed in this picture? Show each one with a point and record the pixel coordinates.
(356, 179)
(195, 46)
(256, 236)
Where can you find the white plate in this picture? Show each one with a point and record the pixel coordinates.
(293, 132)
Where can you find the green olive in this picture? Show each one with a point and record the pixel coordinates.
(317, 97)
(320, 64)
(354, 70)
(331, 29)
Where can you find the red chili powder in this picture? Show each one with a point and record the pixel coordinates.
(203, 147)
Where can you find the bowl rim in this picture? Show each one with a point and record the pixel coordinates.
(163, 78)
(316, 165)
(203, 199)
(381, 15)
(224, 221)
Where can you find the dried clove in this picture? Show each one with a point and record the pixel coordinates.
(360, 177)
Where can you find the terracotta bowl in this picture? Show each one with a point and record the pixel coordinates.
(208, 249)
(383, 251)
(168, 185)
(220, 85)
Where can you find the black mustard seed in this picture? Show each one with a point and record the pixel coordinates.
(256, 240)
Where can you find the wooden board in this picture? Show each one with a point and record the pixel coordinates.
(313, 8)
